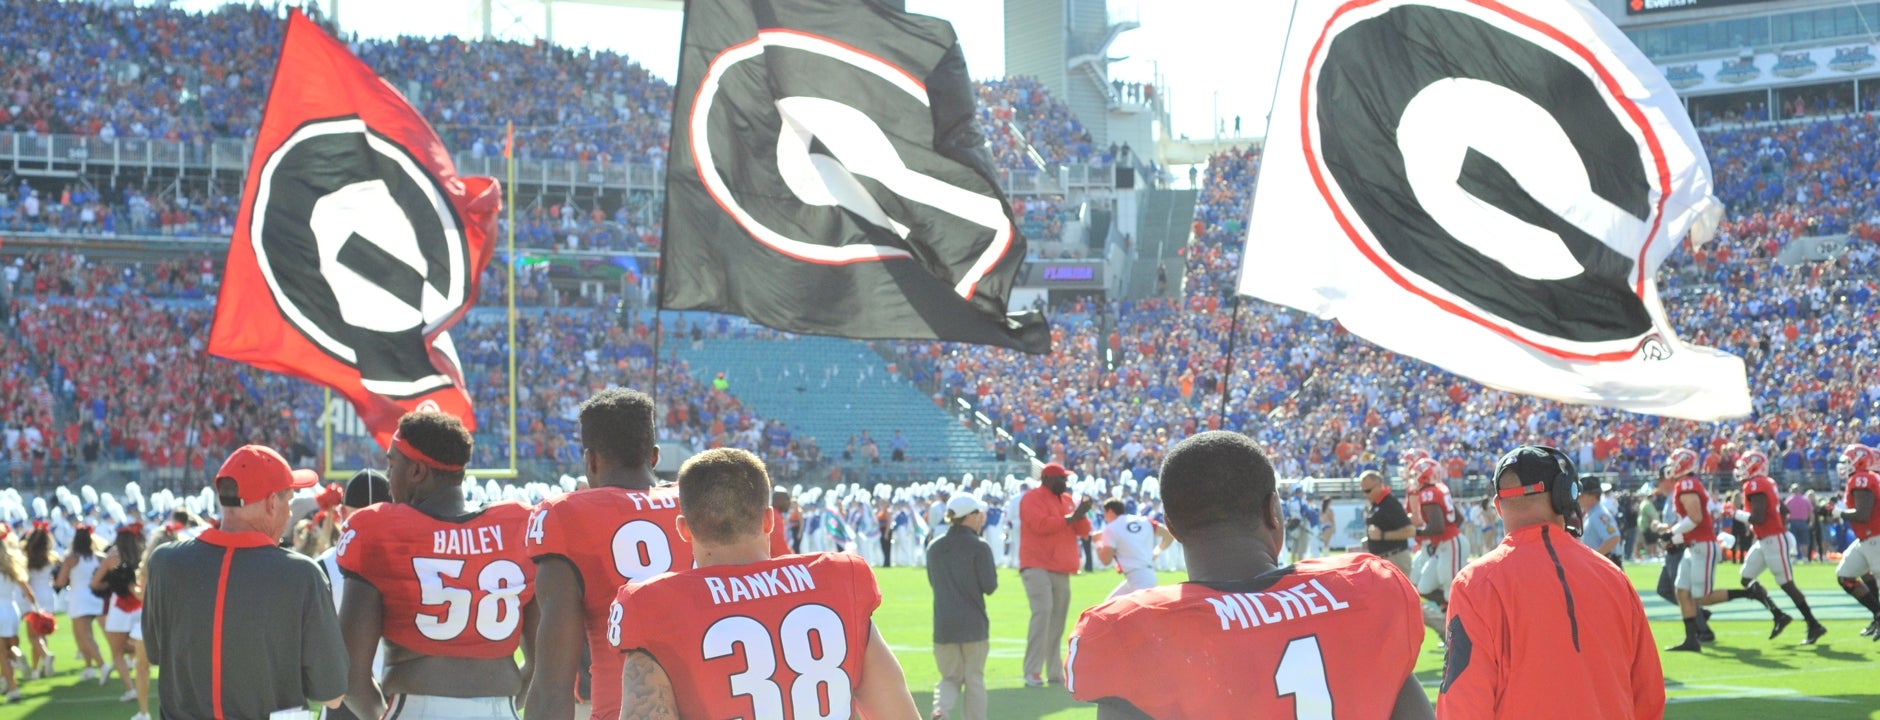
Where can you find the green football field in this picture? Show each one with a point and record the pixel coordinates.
(1744, 675)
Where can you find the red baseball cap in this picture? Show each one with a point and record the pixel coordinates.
(1054, 470)
(259, 471)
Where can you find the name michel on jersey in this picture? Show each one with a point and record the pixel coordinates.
(775, 581)
(1249, 610)
(468, 541)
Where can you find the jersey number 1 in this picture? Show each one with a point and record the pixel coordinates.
(1301, 674)
(819, 672)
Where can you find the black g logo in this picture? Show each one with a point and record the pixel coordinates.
(362, 250)
(1490, 164)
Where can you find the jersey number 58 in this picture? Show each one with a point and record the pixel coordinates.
(498, 609)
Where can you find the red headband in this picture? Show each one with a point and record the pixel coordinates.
(40, 525)
(405, 448)
(1521, 490)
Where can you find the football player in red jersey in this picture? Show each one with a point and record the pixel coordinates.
(447, 587)
(1857, 510)
(1440, 557)
(1696, 530)
(586, 544)
(1243, 637)
(1766, 515)
(747, 635)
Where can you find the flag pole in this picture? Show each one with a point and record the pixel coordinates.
(1233, 335)
(326, 419)
(659, 331)
(1233, 339)
(509, 205)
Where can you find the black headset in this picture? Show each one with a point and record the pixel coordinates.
(1563, 489)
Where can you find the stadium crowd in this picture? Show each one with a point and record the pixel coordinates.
(1299, 385)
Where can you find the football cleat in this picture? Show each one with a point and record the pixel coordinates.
(1815, 632)
(1782, 623)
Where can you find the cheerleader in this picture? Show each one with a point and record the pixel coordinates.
(41, 564)
(16, 597)
(117, 578)
(82, 606)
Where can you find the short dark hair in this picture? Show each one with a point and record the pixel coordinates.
(1114, 505)
(1215, 478)
(440, 436)
(724, 494)
(617, 424)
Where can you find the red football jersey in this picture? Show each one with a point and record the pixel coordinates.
(1870, 483)
(775, 640)
(1706, 530)
(779, 535)
(1437, 494)
(1772, 523)
(452, 588)
(610, 535)
(1341, 631)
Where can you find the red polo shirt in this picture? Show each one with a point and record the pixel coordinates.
(1045, 541)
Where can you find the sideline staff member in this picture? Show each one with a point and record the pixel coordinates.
(241, 627)
(1543, 621)
(1387, 527)
(1598, 529)
(1048, 529)
(962, 574)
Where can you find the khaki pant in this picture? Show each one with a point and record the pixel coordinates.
(962, 673)
(1401, 559)
(1049, 594)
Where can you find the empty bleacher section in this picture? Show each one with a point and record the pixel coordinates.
(839, 392)
(1164, 225)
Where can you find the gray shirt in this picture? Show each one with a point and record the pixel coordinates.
(960, 569)
(1598, 526)
(279, 644)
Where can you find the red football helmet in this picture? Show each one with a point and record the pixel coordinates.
(1857, 458)
(1422, 473)
(1681, 463)
(1409, 460)
(1752, 464)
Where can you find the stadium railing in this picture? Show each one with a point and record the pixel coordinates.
(78, 152)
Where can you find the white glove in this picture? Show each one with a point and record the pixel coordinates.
(1677, 538)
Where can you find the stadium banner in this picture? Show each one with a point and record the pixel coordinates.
(1647, 7)
(829, 176)
(1490, 190)
(357, 245)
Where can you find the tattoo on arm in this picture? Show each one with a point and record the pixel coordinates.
(646, 691)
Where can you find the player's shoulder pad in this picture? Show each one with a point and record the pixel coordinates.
(512, 510)
(375, 518)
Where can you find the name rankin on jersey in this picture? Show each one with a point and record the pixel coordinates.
(468, 541)
(1249, 610)
(776, 581)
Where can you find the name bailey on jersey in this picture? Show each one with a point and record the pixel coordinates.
(468, 541)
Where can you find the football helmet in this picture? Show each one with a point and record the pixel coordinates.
(1681, 463)
(1422, 473)
(1752, 464)
(1409, 460)
(1855, 459)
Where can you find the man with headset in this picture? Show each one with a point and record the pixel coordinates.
(1542, 619)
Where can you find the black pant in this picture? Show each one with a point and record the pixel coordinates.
(1668, 578)
(887, 549)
